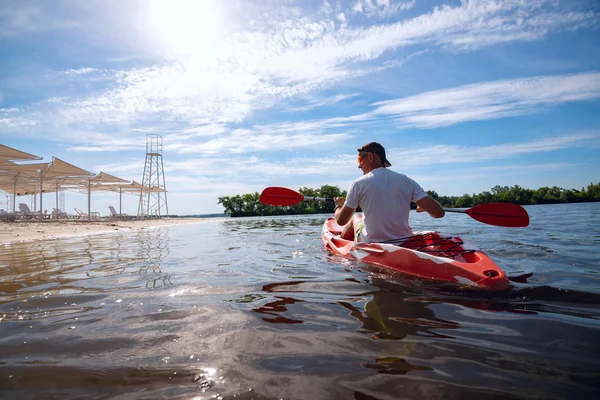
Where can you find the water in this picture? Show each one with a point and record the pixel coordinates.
(255, 308)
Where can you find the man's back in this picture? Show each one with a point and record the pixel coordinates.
(384, 197)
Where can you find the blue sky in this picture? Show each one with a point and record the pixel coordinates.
(464, 95)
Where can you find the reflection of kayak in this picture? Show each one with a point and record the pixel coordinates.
(426, 255)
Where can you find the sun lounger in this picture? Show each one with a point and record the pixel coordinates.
(25, 212)
(6, 216)
(83, 215)
(114, 214)
(56, 214)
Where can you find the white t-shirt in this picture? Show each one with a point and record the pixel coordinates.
(384, 197)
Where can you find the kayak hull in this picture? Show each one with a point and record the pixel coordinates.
(428, 256)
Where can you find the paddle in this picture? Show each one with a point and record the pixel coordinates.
(280, 196)
(498, 214)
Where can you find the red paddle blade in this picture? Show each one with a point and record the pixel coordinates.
(279, 196)
(500, 214)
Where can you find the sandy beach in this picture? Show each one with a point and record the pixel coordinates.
(23, 231)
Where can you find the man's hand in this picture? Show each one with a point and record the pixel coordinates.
(431, 206)
(343, 213)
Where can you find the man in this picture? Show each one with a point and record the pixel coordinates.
(384, 197)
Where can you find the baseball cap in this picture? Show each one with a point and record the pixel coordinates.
(376, 148)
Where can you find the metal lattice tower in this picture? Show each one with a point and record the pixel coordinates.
(153, 198)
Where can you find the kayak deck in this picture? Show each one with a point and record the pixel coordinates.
(426, 255)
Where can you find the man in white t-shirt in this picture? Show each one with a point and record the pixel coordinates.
(384, 197)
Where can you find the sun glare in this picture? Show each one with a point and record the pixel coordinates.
(184, 27)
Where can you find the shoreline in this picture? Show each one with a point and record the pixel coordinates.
(27, 231)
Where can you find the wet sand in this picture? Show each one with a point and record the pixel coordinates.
(23, 231)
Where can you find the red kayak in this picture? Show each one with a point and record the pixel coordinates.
(426, 255)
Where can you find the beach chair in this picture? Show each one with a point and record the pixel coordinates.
(114, 214)
(56, 214)
(83, 215)
(80, 214)
(6, 216)
(26, 212)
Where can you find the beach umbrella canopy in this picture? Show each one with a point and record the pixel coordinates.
(132, 187)
(19, 179)
(10, 154)
(60, 168)
(14, 168)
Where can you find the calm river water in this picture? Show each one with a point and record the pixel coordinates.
(256, 308)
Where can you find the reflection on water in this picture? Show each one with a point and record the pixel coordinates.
(255, 308)
(83, 265)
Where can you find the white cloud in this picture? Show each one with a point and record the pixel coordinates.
(27, 17)
(16, 123)
(125, 168)
(313, 126)
(57, 100)
(487, 173)
(341, 17)
(197, 132)
(9, 110)
(489, 100)
(321, 101)
(243, 142)
(105, 142)
(78, 72)
(381, 8)
(124, 58)
(18, 20)
(456, 154)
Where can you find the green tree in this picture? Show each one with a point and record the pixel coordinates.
(593, 192)
(464, 201)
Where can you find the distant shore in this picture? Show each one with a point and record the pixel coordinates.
(24, 231)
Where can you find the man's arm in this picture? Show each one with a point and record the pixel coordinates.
(343, 214)
(430, 205)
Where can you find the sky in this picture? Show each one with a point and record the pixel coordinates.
(464, 95)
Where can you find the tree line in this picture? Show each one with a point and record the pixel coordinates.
(249, 205)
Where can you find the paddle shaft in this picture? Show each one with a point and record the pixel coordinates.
(318, 198)
(455, 210)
